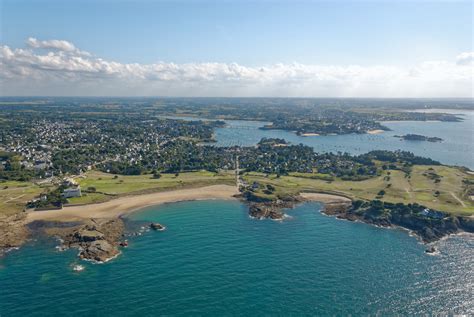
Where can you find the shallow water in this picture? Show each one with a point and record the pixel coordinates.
(456, 149)
(214, 260)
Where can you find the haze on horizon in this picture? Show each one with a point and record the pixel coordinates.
(237, 49)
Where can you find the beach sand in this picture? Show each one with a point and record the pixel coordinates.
(375, 131)
(310, 134)
(325, 198)
(128, 204)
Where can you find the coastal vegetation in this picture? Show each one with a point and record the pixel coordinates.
(106, 186)
(418, 137)
(451, 195)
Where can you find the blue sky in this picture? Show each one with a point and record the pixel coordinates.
(248, 33)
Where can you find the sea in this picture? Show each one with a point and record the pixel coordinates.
(214, 260)
(457, 147)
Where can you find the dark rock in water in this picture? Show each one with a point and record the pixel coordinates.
(99, 250)
(410, 216)
(98, 240)
(431, 250)
(264, 211)
(88, 234)
(467, 224)
(124, 243)
(157, 226)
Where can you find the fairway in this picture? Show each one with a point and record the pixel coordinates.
(449, 194)
(14, 195)
(108, 186)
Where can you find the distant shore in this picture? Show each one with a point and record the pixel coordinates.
(128, 204)
(375, 131)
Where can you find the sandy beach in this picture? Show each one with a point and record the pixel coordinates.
(375, 131)
(325, 198)
(128, 204)
(310, 134)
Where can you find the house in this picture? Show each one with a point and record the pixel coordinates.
(432, 214)
(40, 165)
(69, 182)
(72, 192)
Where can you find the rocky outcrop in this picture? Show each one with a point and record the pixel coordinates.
(13, 232)
(264, 211)
(97, 240)
(271, 209)
(98, 250)
(157, 226)
(428, 229)
(467, 223)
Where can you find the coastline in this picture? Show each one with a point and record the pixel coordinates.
(375, 131)
(325, 198)
(128, 204)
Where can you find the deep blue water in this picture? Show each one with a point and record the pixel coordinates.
(456, 149)
(213, 260)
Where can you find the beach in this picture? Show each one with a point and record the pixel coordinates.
(325, 198)
(375, 131)
(128, 204)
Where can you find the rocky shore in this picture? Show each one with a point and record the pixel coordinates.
(271, 209)
(96, 239)
(428, 229)
(13, 232)
(100, 239)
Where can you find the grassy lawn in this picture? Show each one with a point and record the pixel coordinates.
(107, 185)
(14, 195)
(418, 188)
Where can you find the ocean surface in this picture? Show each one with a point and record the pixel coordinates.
(213, 260)
(456, 149)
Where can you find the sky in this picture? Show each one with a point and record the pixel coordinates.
(237, 48)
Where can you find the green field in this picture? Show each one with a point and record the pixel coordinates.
(419, 187)
(108, 185)
(14, 195)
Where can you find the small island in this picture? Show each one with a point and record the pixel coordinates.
(418, 137)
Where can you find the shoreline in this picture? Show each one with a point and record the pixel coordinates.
(325, 198)
(375, 131)
(121, 206)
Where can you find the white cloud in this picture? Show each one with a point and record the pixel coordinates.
(465, 58)
(57, 67)
(51, 44)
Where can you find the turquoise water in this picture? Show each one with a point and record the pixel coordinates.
(213, 260)
(456, 149)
